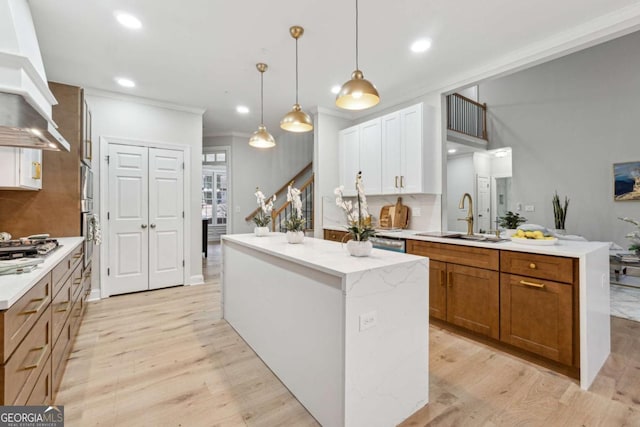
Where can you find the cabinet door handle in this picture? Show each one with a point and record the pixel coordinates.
(43, 352)
(450, 281)
(442, 278)
(36, 170)
(37, 309)
(401, 181)
(396, 185)
(533, 266)
(66, 307)
(532, 284)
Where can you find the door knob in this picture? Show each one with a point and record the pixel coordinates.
(153, 225)
(144, 226)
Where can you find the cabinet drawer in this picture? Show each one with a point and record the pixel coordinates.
(41, 394)
(456, 254)
(61, 309)
(336, 236)
(537, 315)
(65, 267)
(21, 316)
(76, 282)
(23, 368)
(559, 269)
(60, 354)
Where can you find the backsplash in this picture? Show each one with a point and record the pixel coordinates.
(429, 206)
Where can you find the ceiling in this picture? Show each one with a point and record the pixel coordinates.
(202, 53)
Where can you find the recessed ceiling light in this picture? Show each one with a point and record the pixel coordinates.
(242, 109)
(451, 150)
(421, 45)
(125, 82)
(128, 20)
(335, 89)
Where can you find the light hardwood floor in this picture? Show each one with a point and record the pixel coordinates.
(165, 358)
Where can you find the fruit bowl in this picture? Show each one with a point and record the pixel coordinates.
(534, 242)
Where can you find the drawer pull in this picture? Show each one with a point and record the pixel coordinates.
(43, 352)
(77, 280)
(533, 266)
(76, 256)
(450, 279)
(66, 307)
(442, 278)
(532, 284)
(38, 308)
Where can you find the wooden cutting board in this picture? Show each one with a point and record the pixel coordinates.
(394, 216)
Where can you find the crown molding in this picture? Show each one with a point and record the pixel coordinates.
(140, 100)
(318, 109)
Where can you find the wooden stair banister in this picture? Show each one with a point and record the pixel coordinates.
(296, 176)
(276, 212)
(466, 116)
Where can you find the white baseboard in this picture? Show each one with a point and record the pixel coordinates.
(94, 295)
(198, 279)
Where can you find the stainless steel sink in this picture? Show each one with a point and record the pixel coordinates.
(459, 236)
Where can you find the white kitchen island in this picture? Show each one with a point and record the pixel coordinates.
(348, 336)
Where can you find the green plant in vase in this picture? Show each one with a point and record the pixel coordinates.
(358, 219)
(511, 220)
(559, 211)
(296, 222)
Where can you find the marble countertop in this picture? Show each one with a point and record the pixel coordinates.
(568, 248)
(323, 255)
(13, 286)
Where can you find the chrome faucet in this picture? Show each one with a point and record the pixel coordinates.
(469, 217)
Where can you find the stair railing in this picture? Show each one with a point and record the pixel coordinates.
(279, 216)
(466, 116)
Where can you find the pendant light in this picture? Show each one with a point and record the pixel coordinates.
(358, 93)
(296, 120)
(261, 138)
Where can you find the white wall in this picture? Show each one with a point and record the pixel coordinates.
(461, 176)
(265, 168)
(325, 164)
(134, 118)
(568, 121)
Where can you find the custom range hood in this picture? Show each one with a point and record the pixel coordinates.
(25, 98)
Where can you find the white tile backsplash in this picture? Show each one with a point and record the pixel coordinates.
(429, 205)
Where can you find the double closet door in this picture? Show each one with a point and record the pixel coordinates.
(146, 219)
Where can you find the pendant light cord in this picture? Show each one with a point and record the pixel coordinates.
(357, 35)
(262, 97)
(296, 70)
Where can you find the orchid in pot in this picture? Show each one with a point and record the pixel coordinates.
(296, 222)
(358, 218)
(634, 236)
(263, 217)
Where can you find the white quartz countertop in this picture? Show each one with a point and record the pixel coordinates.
(13, 286)
(324, 255)
(568, 248)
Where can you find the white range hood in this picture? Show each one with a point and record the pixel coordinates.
(25, 98)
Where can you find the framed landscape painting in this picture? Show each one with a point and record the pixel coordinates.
(626, 179)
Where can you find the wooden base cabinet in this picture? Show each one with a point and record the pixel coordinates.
(537, 315)
(336, 236)
(460, 292)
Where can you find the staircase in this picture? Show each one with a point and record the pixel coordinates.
(282, 209)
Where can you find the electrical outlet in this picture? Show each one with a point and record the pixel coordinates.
(368, 320)
(529, 208)
(416, 212)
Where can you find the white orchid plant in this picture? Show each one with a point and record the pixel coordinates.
(634, 236)
(296, 221)
(357, 216)
(263, 217)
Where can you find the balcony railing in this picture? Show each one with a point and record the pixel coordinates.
(466, 116)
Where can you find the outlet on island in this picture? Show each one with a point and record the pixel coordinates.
(368, 320)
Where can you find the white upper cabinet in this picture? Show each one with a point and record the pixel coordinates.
(20, 168)
(360, 151)
(397, 153)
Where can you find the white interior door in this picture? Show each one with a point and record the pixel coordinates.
(484, 204)
(128, 220)
(166, 218)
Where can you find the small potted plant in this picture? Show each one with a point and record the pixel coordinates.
(296, 222)
(634, 236)
(510, 221)
(263, 217)
(559, 213)
(359, 220)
